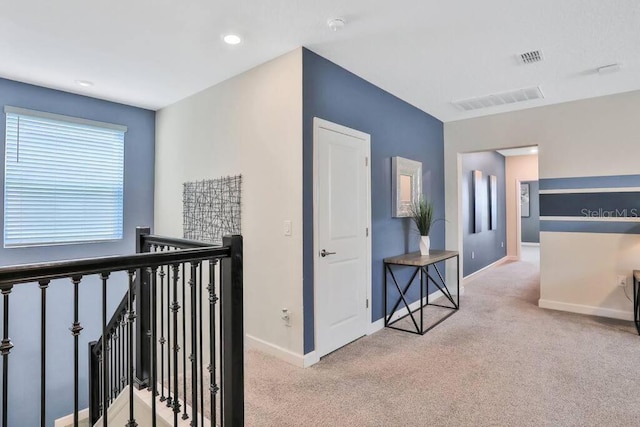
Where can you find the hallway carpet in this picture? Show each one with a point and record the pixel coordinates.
(499, 361)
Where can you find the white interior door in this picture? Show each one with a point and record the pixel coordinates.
(342, 245)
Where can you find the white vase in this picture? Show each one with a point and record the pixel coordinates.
(425, 244)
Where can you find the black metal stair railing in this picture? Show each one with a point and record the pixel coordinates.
(159, 336)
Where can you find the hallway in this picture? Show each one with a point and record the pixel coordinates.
(500, 360)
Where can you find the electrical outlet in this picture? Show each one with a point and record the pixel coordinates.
(473, 255)
(286, 318)
(286, 227)
(622, 280)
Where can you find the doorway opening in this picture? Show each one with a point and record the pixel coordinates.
(494, 214)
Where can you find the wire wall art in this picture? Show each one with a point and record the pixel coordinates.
(211, 209)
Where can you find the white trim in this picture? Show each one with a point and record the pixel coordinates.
(376, 326)
(586, 309)
(319, 123)
(275, 350)
(310, 359)
(62, 118)
(472, 276)
(591, 218)
(67, 420)
(530, 244)
(592, 190)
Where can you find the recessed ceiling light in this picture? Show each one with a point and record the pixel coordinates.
(84, 83)
(232, 39)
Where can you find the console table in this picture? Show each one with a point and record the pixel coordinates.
(426, 266)
(636, 299)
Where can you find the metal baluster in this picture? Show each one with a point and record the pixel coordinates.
(200, 344)
(185, 415)
(176, 348)
(5, 349)
(105, 350)
(118, 358)
(44, 284)
(213, 387)
(121, 341)
(111, 365)
(222, 343)
(114, 364)
(131, 318)
(125, 352)
(169, 349)
(194, 344)
(162, 340)
(154, 348)
(76, 328)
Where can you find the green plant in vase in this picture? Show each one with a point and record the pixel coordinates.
(422, 215)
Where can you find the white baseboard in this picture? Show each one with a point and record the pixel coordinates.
(376, 326)
(277, 351)
(530, 244)
(473, 275)
(310, 359)
(586, 309)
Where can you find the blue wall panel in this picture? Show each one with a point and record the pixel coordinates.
(397, 129)
(600, 200)
(486, 246)
(24, 376)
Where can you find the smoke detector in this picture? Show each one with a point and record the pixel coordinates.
(513, 96)
(336, 24)
(531, 57)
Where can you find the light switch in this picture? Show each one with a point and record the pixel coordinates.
(287, 227)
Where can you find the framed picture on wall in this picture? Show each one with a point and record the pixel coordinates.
(524, 200)
(479, 208)
(493, 202)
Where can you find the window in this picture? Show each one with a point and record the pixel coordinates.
(63, 179)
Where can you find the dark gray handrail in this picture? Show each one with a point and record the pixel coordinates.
(27, 273)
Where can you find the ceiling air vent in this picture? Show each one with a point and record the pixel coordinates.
(531, 57)
(519, 95)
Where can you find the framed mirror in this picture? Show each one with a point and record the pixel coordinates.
(406, 185)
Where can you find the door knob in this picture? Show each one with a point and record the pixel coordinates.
(324, 253)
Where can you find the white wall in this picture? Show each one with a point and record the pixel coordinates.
(249, 125)
(595, 137)
(517, 168)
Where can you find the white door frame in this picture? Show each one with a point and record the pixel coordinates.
(324, 124)
(518, 220)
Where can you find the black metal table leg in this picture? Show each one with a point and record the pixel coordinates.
(421, 265)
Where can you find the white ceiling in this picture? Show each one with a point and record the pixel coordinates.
(152, 53)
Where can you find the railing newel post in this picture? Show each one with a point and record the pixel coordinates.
(143, 311)
(231, 308)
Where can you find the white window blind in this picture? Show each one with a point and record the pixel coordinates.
(63, 179)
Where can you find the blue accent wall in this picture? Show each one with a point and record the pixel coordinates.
(24, 375)
(530, 226)
(397, 129)
(597, 199)
(486, 246)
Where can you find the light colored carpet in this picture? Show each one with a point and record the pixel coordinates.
(499, 361)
